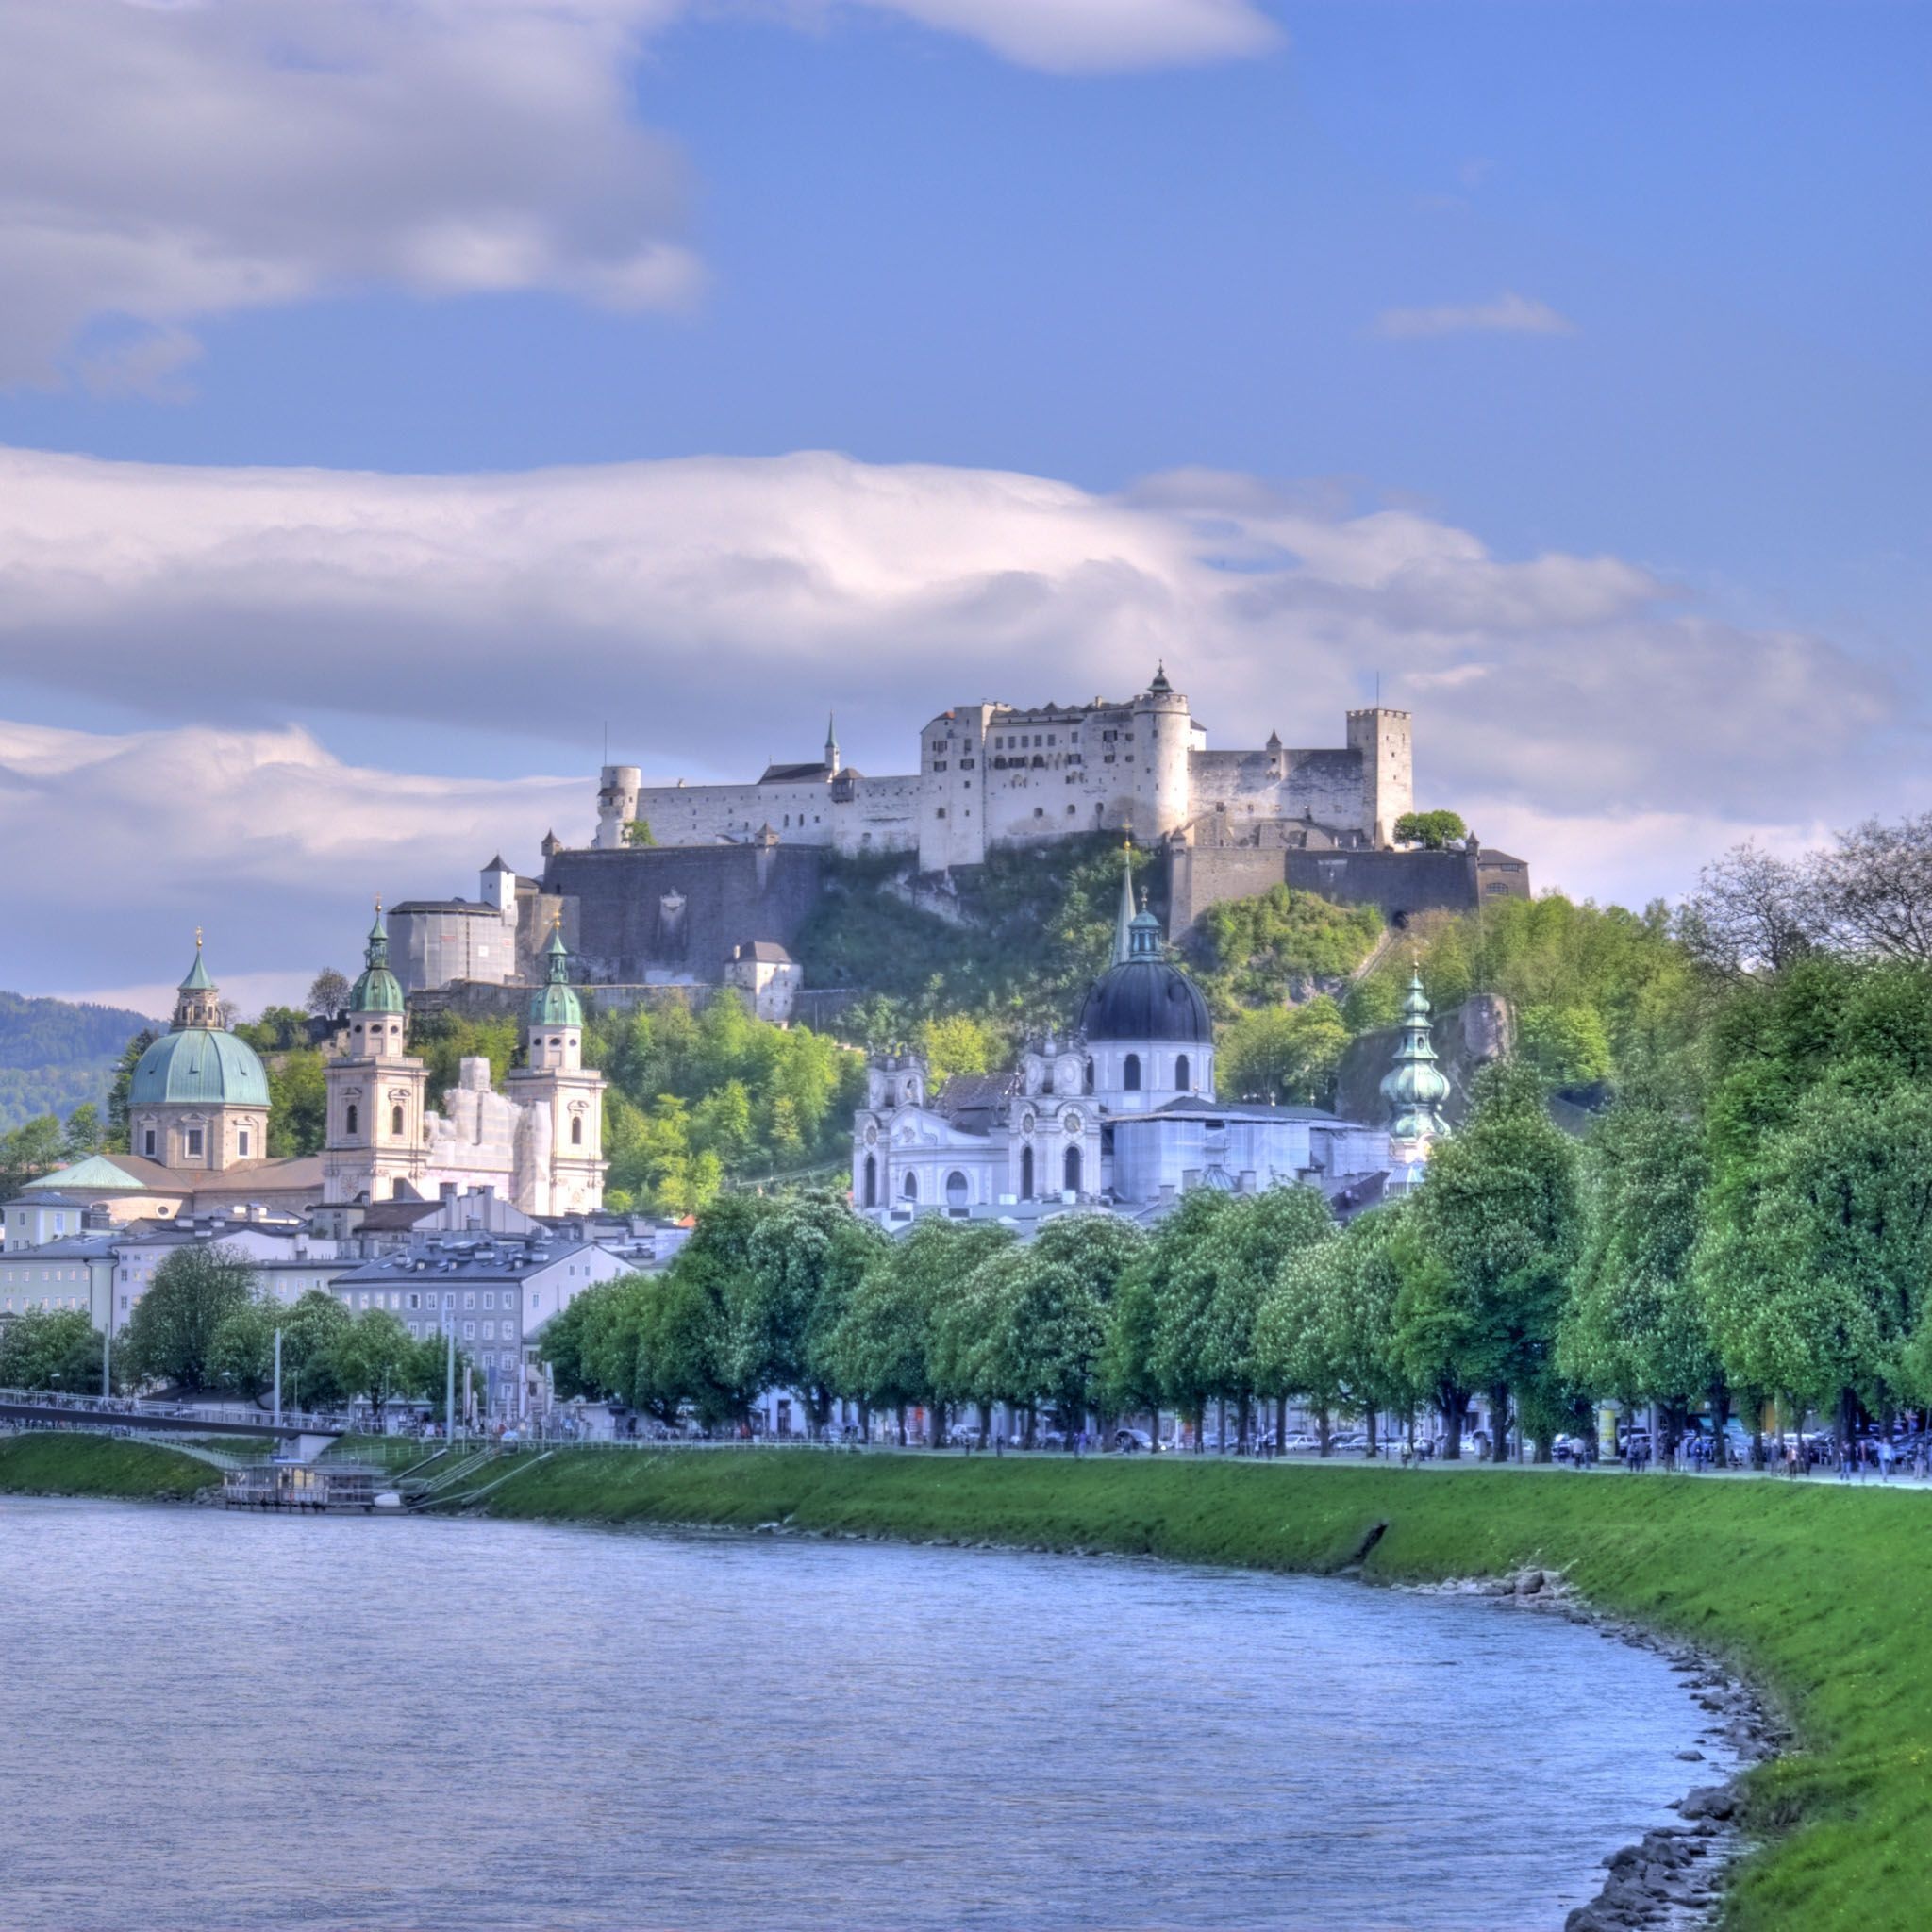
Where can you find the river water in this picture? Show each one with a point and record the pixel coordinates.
(219, 1720)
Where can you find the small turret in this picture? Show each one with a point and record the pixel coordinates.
(200, 1004)
(1415, 1088)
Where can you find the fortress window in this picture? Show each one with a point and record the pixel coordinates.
(1107, 759)
(1039, 811)
(965, 764)
(939, 812)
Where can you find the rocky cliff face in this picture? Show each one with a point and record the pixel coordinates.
(1480, 1030)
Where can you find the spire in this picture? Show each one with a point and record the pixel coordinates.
(376, 988)
(554, 1003)
(197, 979)
(1160, 687)
(1415, 1086)
(1124, 921)
(831, 742)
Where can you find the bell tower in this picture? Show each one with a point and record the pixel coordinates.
(553, 1075)
(376, 1142)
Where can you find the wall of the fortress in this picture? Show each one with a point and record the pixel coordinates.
(671, 913)
(1398, 883)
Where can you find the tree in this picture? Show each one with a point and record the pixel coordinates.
(1752, 909)
(1873, 889)
(375, 1357)
(1433, 829)
(1636, 1326)
(242, 1353)
(118, 1142)
(1815, 1257)
(83, 1135)
(1326, 1331)
(328, 995)
(807, 1256)
(298, 1103)
(29, 1151)
(50, 1348)
(1284, 1054)
(1497, 1220)
(687, 1349)
(170, 1335)
(638, 832)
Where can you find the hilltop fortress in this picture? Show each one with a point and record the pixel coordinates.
(992, 775)
(711, 885)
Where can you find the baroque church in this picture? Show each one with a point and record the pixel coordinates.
(199, 1104)
(1123, 1113)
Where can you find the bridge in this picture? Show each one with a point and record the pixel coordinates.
(308, 1435)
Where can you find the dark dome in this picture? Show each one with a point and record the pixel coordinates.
(1145, 999)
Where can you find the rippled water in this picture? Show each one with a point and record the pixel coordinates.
(212, 1721)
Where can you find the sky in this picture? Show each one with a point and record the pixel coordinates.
(400, 400)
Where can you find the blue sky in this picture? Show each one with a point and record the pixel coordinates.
(1563, 290)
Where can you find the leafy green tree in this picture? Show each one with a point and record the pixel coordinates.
(123, 1084)
(28, 1152)
(170, 1335)
(1326, 1330)
(638, 832)
(1814, 1260)
(298, 1103)
(1636, 1326)
(1284, 1054)
(374, 1358)
(1433, 829)
(50, 1348)
(1279, 945)
(84, 1133)
(1497, 1217)
(805, 1256)
(1568, 1045)
(328, 995)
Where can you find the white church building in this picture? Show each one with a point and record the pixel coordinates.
(1122, 1114)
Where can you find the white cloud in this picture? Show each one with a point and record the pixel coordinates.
(160, 165)
(123, 844)
(1509, 315)
(712, 609)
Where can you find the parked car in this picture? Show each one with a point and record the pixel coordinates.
(1132, 1440)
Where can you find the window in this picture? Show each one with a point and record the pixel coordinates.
(490, 1331)
(396, 1121)
(193, 1140)
(910, 1190)
(1025, 1174)
(469, 1331)
(576, 1132)
(242, 1143)
(351, 1119)
(470, 1299)
(1072, 1171)
(955, 1190)
(872, 1180)
(1089, 1076)
(147, 1141)
(1130, 1073)
(1180, 1075)
(489, 1299)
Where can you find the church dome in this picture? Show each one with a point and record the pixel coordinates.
(555, 1003)
(200, 1061)
(199, 1064)
(1142, 997)
(376, 988)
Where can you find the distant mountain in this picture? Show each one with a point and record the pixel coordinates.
(56, 1054)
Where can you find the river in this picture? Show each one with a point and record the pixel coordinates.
(216, 1720)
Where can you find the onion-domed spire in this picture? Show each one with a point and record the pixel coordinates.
(555, 1002)
(376, 988)
(1415, 1086)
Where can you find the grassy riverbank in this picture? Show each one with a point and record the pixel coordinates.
(1816, 1592)
(48, 1463)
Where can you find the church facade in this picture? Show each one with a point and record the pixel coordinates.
(1120, 1114)
(997, 775)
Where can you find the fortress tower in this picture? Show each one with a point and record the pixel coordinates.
(1388, 754)
(1163, 788)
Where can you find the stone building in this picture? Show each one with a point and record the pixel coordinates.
(1121, 1113)
(995, 774)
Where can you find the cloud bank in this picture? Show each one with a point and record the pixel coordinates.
(162, 164)
(711, 610)
(1507, 315)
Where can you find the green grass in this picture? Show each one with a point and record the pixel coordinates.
(48, 1463)
(1818, 1593)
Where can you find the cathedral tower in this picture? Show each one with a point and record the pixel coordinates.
(554, 1083)
(375, 1090)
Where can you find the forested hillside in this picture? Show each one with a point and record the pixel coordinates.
(56, 1054)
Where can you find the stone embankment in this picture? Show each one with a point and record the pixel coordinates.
(1673, 1878)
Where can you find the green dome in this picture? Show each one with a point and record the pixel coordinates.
(376, 988)
(202, 1065)
(555, 1002)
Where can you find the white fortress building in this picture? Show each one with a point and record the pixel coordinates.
(991, 774)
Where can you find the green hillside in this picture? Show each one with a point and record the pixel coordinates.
(56, 1054)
